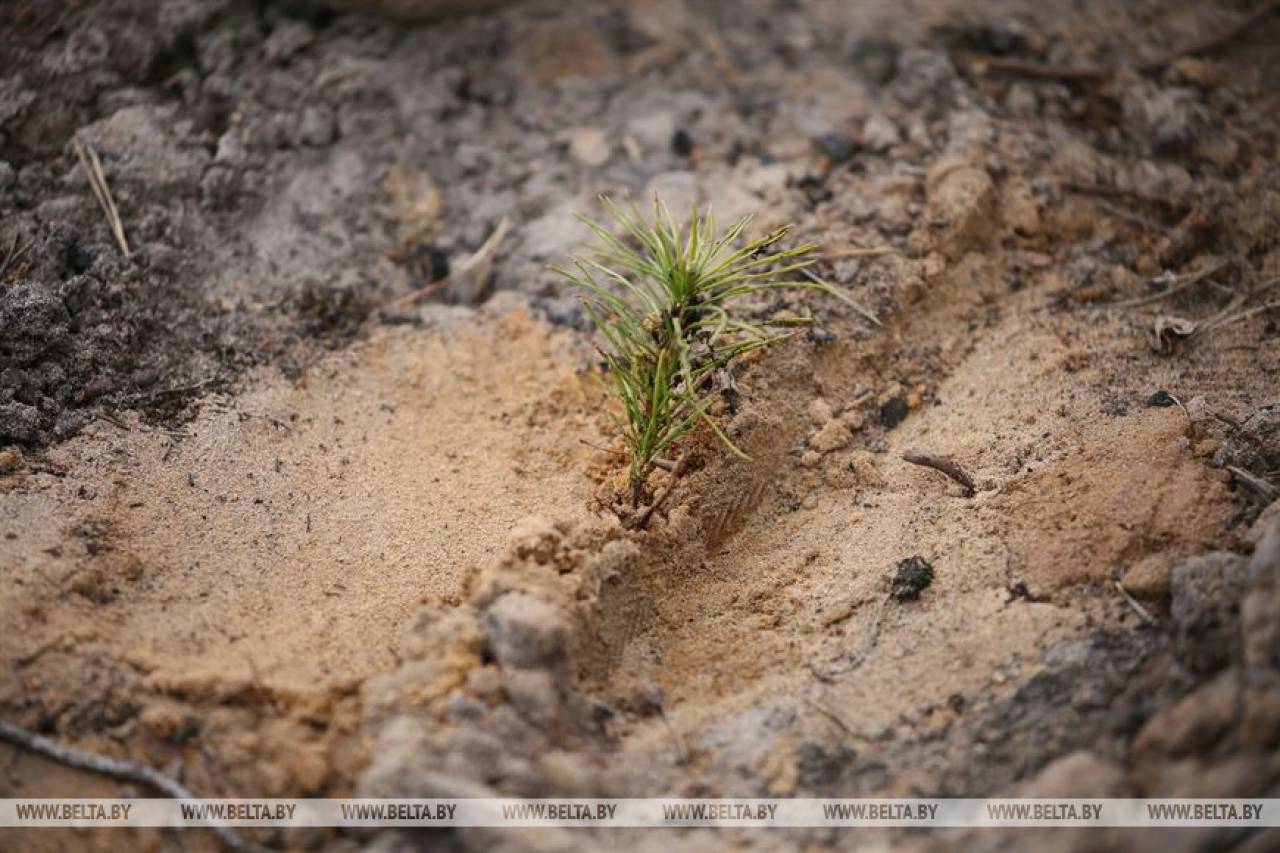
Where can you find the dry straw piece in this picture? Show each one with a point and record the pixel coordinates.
(98, 183)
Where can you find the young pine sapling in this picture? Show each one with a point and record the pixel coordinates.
(663, 297)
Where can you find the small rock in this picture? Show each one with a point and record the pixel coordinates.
(837, 147)
(555, 233)
(681, 143)
(819, 411)
(893, 412)
(589, 146)
(970, 134)
(924, 74)
(231, 150)
(463, 707)
(1149, 578)
(880, 134)
(913, 577)
(1164, 120)
(1069, 653)
(1021, 100)
(485, 682)
(1019, 210)
(875, 60)
(894, 215)
(1075, 160)
(1158, 179)
(317, 126)
(525, 631)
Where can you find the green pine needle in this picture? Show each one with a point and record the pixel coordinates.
(663, 298)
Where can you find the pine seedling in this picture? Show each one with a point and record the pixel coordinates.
(663, 298)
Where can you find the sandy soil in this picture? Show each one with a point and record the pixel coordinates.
(372, 555)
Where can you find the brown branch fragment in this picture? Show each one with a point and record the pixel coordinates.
(482, 256)
(1176, 285)
(643, 520)
(944, 465)
(1024, 68)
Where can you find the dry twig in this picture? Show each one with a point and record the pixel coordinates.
(1176, 286)
(1133, 602)
(124, 771)
(1024, 68)
(831, 714)
(1220, 321)
(481, 256)
(1092, 188)
(944, 465)
(858, 252)
(678, 469)
(1264, 489)
(14, 255)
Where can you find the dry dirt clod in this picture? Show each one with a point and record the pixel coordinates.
(961, 205)
(525, 631)
(10, 460)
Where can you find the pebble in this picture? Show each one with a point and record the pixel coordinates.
(1021, 100)
(317, 127)
(913, 577)
(590, 146)
(880, 134)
